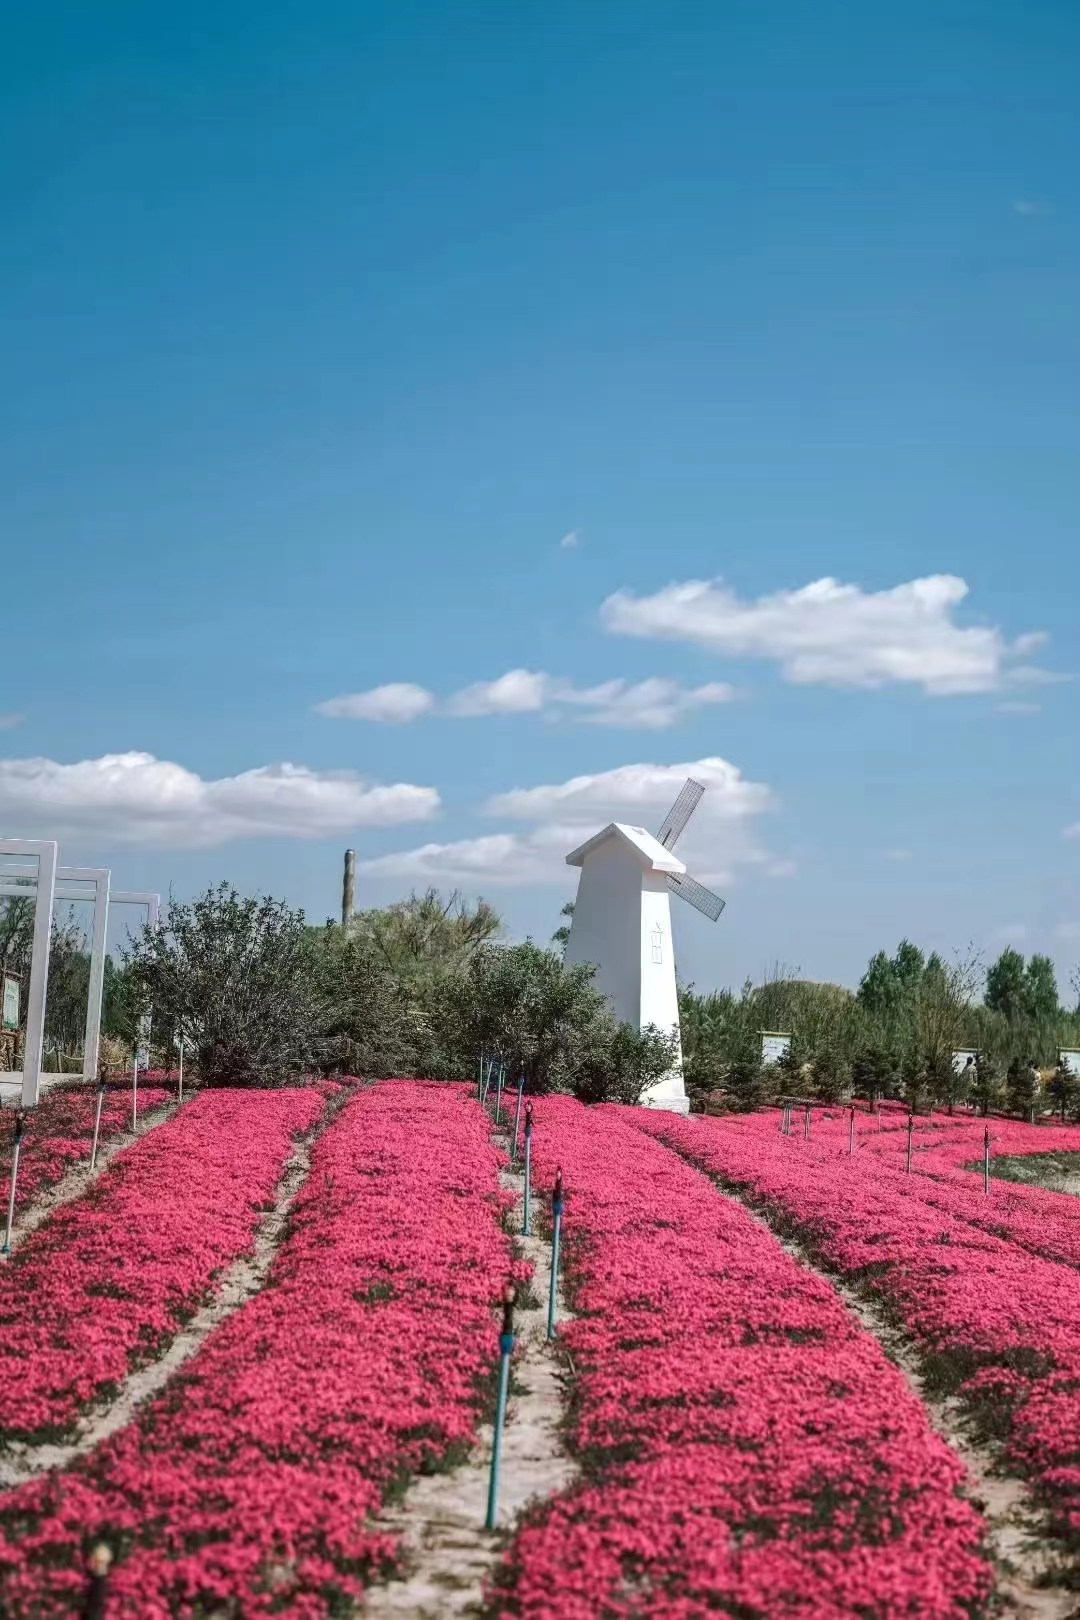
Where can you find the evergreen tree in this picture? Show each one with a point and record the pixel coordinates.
(1006, 985)
(1040, 989)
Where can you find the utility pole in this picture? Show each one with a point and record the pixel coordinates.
(348, 890)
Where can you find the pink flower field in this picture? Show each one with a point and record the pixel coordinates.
(248, 1486)
(744, 1445)
(59, 1132)
(993, 1308)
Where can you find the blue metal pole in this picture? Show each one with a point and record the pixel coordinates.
(528, 1166)
(506, 1350)
(20, 1126)
(556, 1224)
(517, 1118)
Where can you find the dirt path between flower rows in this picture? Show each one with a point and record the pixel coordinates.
(243, 1279)
(75, 1181)
(1030, 1581)
(447, 1551)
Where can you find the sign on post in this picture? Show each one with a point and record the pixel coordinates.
(1069, 1059)
(11, 1001)
(962, 1058)
(774, 1045)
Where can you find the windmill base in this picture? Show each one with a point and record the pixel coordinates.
(671, 1105)
(668, 1094)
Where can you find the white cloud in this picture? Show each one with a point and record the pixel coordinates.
(1073, 831)
(394, 704)
(519, 691)
(570, 540)
(718, 840)
(898, 855)
(834, 634)
(9, 721)
(135, 798)
(649, 705)
(1027, 207)
(1018, 708)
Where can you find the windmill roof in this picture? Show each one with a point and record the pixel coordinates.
(649, 850)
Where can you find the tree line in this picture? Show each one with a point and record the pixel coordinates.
(422, 987)
(892, 1037)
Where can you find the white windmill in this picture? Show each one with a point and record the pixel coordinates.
(622, 924)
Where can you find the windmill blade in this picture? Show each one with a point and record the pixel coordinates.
(696, 894)
(674, 823)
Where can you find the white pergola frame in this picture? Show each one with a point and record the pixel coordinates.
(44, 852)
(72, 883)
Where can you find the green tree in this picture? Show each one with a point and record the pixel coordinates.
(1040, 989)
(987, 1089)
(1022, 1086)
(240, 977)
(1006, 985)
(562, 934)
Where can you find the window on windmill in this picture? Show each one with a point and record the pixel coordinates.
(657, 943)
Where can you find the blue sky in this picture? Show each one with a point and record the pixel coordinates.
(324, 325)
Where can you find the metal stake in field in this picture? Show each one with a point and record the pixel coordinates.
(517, 1118)
(556, 1226)
(498, 1095)
(97, 1567)
(528, 1166)
(506, 1350)
(851, 1131)
(135, 1087)
(806, 1124)
(97, 1121)
(180, 1088)
(986, 1160)
(20, 1126)
(910, 1128)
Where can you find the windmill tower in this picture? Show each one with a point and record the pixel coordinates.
(622, 924)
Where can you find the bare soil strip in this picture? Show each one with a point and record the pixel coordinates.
(243, 1279)
(1030, 1578)
(80, 1176)
(447, 1552)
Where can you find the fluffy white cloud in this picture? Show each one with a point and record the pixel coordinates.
(135, 798)
(569, 540)
(9, 721)
(393, 704)
(718, 840)
(649, 705)
(1073, 831)
(834, 634)
(519, 691)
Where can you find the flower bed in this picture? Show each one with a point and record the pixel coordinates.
(1043, 1221)
(995, 1323)
(247, 1487)
(746, 1446)
(106, 1280)
(60, 1129)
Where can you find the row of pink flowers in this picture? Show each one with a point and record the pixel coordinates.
(250, 1485)
(59, 1132)
(946, 1171)
(995, 1322)
(746, 1446)
(106, 1280)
